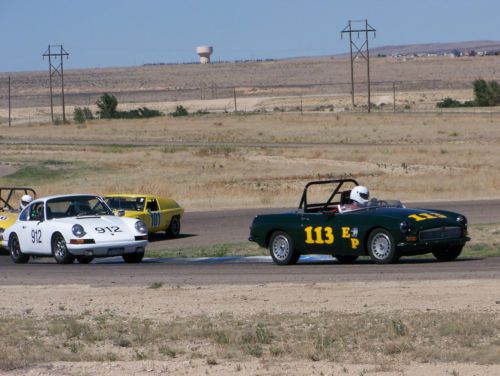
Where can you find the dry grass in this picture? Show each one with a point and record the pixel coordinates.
(407, 157)
(410, 157)
(370, 338)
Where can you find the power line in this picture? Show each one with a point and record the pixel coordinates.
(364, 28)
(56, 67)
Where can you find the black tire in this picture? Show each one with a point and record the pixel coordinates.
(381, 247)
(133, 258)
(15, 251)
(346, 259)
(84, 259)
(282, 249)
(60, 251)
(174, 228)
(449, 254)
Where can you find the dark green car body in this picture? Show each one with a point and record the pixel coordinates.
(323, 229)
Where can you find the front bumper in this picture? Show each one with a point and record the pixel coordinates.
(429, 246)
(108, 249)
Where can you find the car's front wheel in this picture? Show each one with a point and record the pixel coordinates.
(281, 249)
(448, 254)
(15, 251)
(133, 258)
(174, 229)
(381, 247)
(60, 251)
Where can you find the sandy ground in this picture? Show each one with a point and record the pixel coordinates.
(169, 302)
(255, 367)
(173, 301)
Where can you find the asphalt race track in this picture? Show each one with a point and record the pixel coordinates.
(205, 228)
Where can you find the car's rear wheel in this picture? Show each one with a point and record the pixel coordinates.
(133, 258)
(60, 251)
(281, 249)
(15, 251)
(381, 247)
(84, 259)
(448, 254)
(346, 259)
(174, 229)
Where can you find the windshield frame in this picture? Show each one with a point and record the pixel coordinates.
(143, 200)
(77, 198)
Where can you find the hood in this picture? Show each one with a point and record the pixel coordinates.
(420, 218)
(103, 228)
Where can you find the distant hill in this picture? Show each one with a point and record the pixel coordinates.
(436, 48)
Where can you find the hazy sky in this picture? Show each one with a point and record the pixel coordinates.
(99, 33)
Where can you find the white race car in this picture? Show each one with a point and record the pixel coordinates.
(74, 226)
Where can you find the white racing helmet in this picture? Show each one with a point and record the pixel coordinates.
(360, 194)
(25, 201)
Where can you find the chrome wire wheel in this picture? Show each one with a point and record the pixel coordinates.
(381, 246)
(281, 247)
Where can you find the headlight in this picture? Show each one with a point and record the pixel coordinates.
(78, 231)
(462, 220)
(405, 227)
(140, 226)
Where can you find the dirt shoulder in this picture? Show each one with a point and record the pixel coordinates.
(354, 328)
(170, 301)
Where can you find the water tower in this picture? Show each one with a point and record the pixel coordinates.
(204, 53)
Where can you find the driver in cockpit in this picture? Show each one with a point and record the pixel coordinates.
(359, 198)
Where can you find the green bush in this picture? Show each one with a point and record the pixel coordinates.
(81, 115)
(449, 103)
(107, 104)
(180, 111)
(140, 113)
(486, 94)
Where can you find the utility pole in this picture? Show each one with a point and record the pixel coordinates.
(9, 104)
(235, 106)
(56, 67)
(394, 96)
(363, 27)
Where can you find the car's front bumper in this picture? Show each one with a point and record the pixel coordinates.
(108, 249)
(409, 248)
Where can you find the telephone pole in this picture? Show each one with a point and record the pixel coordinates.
(56, 68)
(364, 28)
(9, 104)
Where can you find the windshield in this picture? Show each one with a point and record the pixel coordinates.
(76, 206)
(126, 203)
(373, 204)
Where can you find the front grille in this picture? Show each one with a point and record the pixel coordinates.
(441, 233)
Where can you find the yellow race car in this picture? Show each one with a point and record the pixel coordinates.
(11, 204)
(159, 214)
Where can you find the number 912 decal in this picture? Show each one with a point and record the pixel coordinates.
(111, 229)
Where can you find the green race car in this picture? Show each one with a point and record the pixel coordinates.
(384, 230)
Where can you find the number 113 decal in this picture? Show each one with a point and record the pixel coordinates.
(319, 235)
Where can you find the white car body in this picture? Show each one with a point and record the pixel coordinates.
(104, 234)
